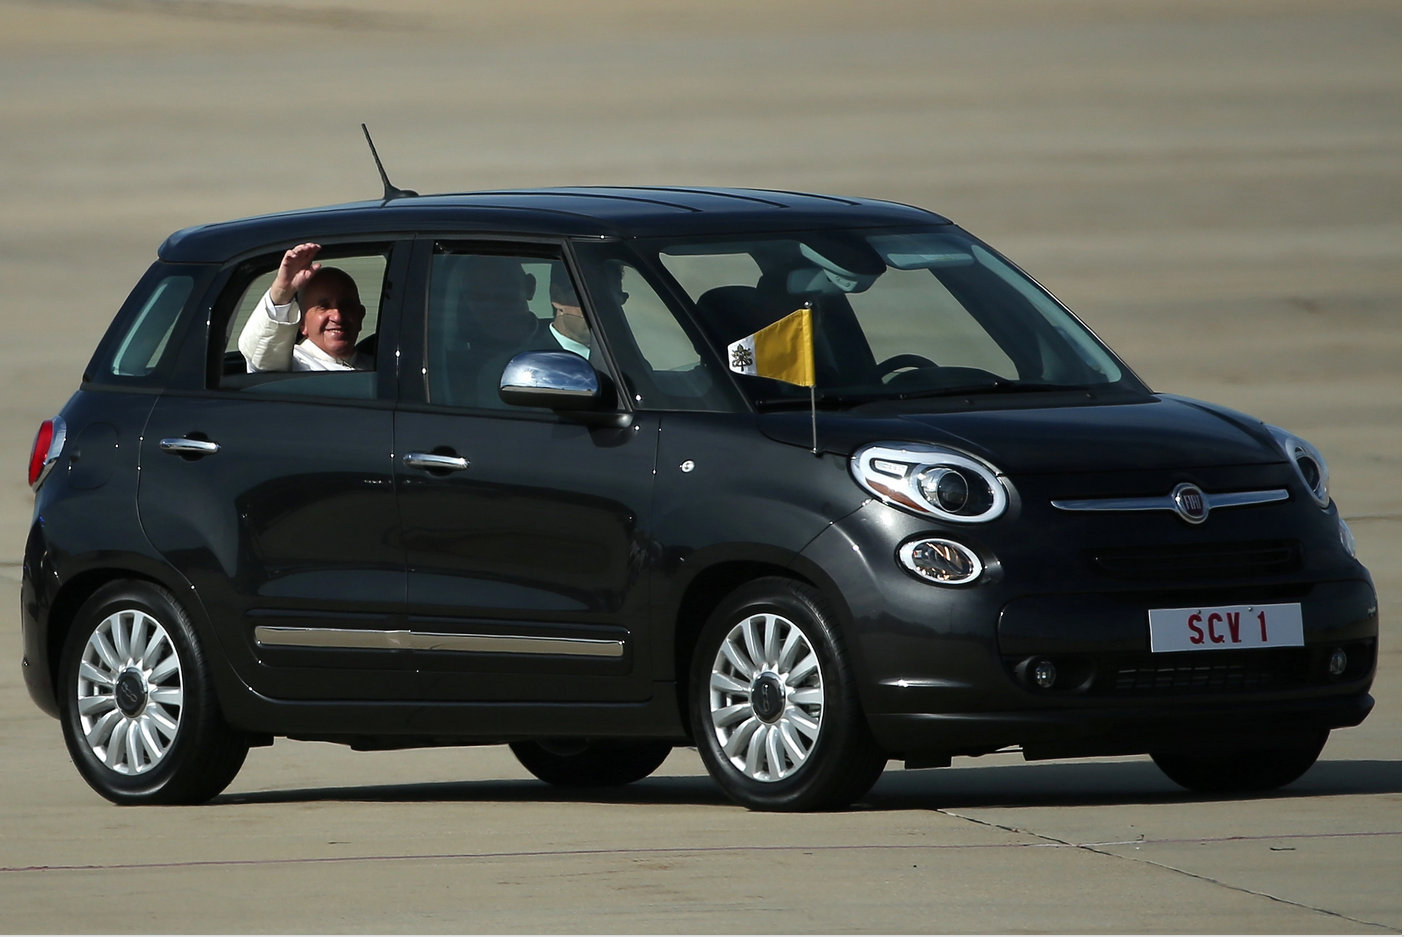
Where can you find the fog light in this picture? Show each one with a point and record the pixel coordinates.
(1337, 663)
(1044, 674)
(943, 561)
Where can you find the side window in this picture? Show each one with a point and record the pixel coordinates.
(665, 364)
(326, 345)
(144, 344)
(698, 272)
(484, 309)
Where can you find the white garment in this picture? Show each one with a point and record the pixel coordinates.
(269, 343)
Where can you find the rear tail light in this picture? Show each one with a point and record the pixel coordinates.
(48, 443)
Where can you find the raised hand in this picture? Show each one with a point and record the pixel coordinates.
(295, 270)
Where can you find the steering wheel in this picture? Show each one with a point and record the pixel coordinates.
(900, 362)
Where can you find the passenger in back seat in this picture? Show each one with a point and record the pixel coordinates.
(320, 304)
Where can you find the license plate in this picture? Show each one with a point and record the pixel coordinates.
(1224, 627)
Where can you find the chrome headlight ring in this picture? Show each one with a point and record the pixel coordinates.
(1308, 462)
(930, 480)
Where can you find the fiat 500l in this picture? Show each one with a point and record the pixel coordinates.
(809, 483)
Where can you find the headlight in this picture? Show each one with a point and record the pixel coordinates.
(931, 480)
(1310, 466)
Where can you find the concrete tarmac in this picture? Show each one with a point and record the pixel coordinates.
(1214, 187)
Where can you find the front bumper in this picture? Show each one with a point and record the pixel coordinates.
(950, 670)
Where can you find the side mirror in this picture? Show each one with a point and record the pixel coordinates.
(561, 380)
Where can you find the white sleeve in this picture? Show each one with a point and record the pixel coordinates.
(267, 339)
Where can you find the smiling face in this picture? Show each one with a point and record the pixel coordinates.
(332, 312)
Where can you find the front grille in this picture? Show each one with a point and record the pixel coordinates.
(1200, 561)
(1196, 672)
(1206, 672)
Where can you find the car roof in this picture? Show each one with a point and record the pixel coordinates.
(589, 211)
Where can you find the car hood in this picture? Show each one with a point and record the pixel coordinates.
(1159, 432)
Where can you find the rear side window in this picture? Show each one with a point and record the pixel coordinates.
(368, 272)
(141, 349)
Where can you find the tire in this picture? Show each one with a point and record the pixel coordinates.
(139, 711)
(774, 703)
(1243, 769)
(590, 763)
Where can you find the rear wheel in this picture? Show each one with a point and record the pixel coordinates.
(590, 763)
(139, 712)
(774, 703)
(1249, 768)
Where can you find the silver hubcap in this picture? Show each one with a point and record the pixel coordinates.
(766, 697)
(129, 692)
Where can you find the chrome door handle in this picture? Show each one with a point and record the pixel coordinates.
(434, 462)
(182, 445)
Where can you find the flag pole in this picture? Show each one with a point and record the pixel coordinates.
(813, 380)
(813, 422)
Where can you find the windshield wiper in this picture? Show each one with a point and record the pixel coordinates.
(999, 386)
(822, 401)
(840, 401)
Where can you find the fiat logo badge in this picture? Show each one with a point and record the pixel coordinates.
(1190, 503)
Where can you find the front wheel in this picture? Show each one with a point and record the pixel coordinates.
(774, 703)
(139, 711)
(590, 763)
(1243, 769)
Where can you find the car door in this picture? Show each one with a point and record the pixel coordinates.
(524, 530)
(273, 494)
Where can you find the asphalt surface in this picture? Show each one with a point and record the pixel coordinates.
(1214, 187)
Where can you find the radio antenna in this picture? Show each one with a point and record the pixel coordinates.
(391, 192)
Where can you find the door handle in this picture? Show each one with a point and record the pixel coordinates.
(433, 462)
(184, 445)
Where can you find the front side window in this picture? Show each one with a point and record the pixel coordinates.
(897, 314)
(664, 362)
(488, 304)
(486, 307)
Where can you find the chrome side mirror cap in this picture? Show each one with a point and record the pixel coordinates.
(561, 380)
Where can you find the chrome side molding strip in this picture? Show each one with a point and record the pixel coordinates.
(355, 638)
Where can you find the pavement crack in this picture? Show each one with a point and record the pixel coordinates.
(1101, 850)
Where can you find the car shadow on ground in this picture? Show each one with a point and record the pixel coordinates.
(1036, 785)
(1102, 784)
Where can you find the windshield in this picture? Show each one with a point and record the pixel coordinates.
(896, 314)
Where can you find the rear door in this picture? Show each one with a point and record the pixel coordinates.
(274, 495)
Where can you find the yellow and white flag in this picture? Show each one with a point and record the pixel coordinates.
(783, 350)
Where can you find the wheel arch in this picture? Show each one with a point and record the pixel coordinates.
(706, 590)
(70, 597)
(77, 587)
